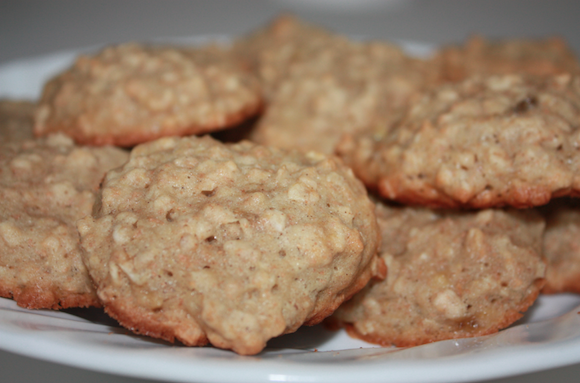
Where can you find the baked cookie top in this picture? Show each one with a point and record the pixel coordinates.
(273, 50)
(130, 93)
(339, 89)
(234, 244)
(16, 120)
(47, 184)
(450, 275)
(479, 56)
(562, 246)
(487, 141)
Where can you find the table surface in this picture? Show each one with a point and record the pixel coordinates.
(31, 28)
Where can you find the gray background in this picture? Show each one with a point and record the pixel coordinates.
(31, 28)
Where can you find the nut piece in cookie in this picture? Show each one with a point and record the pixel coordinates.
(450, 275)
(482, 57)
(131, 93)
(562, 246)
(485, 142)
(46, 185)
(233, 244)
(16, 120)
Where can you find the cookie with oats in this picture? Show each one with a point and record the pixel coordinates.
(130, 93)
(230, 244)
(450, 275)
(46, 185)
(487, 141)
(16, 120)
(320, 85)
(339, 90)
(273, 50)
(480, 56)
(562, 246)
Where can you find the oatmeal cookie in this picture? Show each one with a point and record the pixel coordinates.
(16, 120)
(482, 57)
(562, 246)
(340, 89)
(487, 141)
(131, 93)
(450, 275)
(271, 51)
(231, 244)
(46, 185)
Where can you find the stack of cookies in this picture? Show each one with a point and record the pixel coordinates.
(498, 131)
(108, 197)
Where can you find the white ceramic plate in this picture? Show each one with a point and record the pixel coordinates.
(547, 337)
(86, 338)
